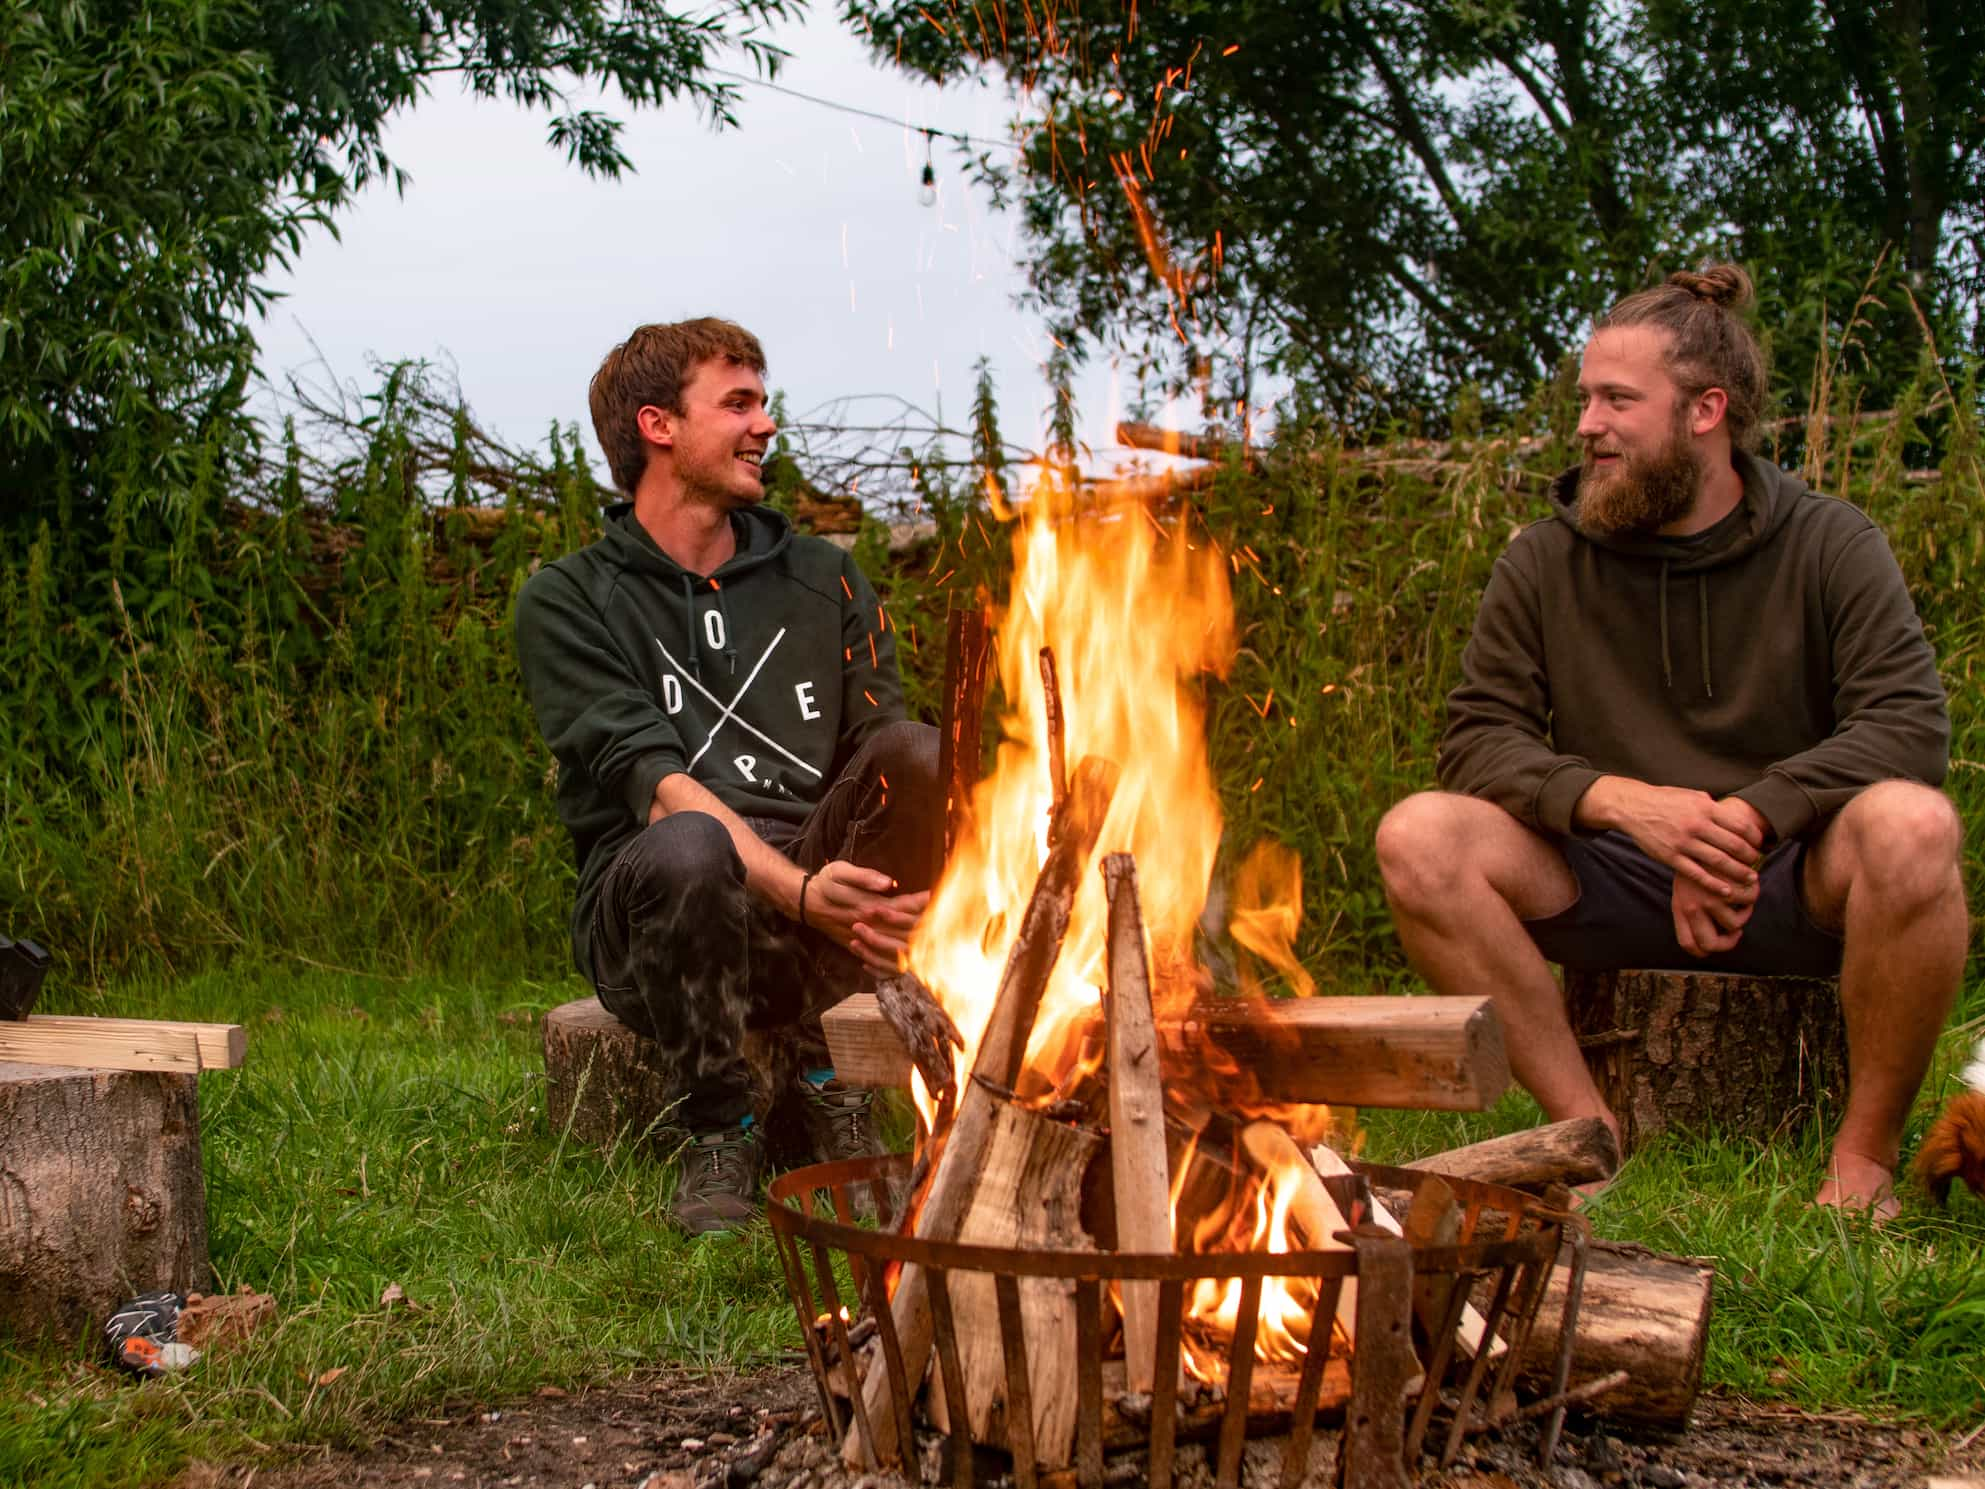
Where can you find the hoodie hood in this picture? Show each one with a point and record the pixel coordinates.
(1770, 495)
(762, 535)
(1768, 499)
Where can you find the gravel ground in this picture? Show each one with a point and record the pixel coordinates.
(682, 1431)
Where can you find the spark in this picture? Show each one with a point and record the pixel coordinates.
(844, 587)
(871, 698)
(1257, 785)
(873, 662)
(1229, 51)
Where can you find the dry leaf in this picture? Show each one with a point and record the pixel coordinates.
(552, 1393)
(332, 1374)
(393, 1294)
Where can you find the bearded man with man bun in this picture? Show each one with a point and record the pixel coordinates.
(1698, 724)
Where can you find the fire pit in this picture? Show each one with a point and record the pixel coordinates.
(1421, 1346)
(1112, 1235)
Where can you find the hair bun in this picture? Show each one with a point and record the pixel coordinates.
(1719, 284)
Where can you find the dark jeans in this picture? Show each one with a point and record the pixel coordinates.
(686, 955)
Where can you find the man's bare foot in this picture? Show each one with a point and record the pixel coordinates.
(1857, 1183)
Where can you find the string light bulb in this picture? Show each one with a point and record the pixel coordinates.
(928, 194)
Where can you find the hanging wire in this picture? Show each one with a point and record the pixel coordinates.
(956, 136)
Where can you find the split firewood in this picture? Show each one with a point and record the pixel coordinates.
(1433, 1219)
(1473, 1328)
(122, 1044)
(1002, 1050)
(1313, 1212)
(1028, 1196)
(1574, 1152)
(1140, 1175)
(922, 1027)
(966, 646)
(1057, 732)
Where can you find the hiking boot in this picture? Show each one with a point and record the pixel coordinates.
(717, 1189)
(840, 1123)
(839, 1120)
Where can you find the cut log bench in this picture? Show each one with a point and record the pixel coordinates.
(1747, 1057)
(101, 1189)
(603, 1085)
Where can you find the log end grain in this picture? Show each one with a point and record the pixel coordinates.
(102, 1195)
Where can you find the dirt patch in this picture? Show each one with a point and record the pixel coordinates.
(705, 1431)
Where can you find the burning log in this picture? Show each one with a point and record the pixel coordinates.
(1473, 1328)
(1002, 1049)
(1574, 1152)
(965, 650)
(1641, 1312)
(1140, 1175)
(1312, 1211)
(1440, 1054)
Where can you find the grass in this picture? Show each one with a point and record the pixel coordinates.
(243, 752)
(392, 1131)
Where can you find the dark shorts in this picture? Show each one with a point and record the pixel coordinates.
(1622, 917)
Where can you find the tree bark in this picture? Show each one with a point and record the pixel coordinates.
(1575, 1152)
(603, 1085)
(102, 1195)
(1641, 1312)
(1745, 1056)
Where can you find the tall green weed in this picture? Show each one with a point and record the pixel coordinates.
(283, 720)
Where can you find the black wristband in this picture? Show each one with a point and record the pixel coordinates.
(803, 886)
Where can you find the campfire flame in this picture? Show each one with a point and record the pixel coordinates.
(1134, 612)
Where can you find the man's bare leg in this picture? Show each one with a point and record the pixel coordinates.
(1885, 874)
(1461, 876)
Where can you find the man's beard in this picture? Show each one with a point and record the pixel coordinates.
(1640, 493)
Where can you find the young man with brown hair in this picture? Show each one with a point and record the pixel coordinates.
(748, 806)
(1698, 724)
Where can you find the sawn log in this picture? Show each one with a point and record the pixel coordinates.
(1574, 1152)
(1441, 1054)
(1642, 1312)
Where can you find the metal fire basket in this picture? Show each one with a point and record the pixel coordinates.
(1507, 1244)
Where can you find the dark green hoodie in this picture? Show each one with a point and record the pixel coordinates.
(759, 680)
(1776, 657)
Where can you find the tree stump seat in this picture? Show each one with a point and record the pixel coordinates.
(604, 1085)
(1745, 1056)
(102, 1194)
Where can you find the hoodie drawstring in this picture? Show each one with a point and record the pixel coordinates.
(1702, 626)
(730, 646)
(689, 614)
(1702, 631)
(1667, 671)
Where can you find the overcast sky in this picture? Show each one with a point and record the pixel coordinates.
(803, 223)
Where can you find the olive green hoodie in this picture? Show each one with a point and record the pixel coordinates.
(1776, 657)
(760, 680)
